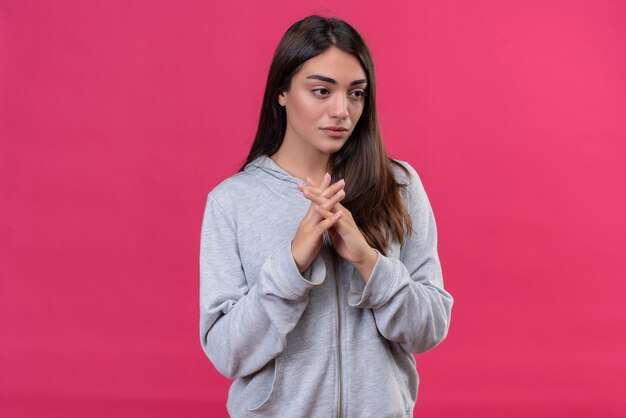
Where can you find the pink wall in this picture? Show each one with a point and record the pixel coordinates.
(117, 118)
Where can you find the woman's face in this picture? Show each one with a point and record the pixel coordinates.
(324, 101)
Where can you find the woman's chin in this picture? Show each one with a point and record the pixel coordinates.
(331, 148)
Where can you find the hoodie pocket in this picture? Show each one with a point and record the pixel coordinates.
(376, 384)
(402, 377)
(298, 384)
(260, 388)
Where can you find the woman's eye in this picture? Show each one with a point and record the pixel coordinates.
(320, 91)
(358, 94)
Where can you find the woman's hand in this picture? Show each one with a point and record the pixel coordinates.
(308, 240)
(346, 236)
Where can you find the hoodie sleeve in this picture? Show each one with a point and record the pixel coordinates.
(243, 328)
(406, 295)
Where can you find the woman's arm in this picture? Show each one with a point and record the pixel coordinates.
(242, 328)
(406, 295)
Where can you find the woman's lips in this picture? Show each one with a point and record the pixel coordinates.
(335, 131)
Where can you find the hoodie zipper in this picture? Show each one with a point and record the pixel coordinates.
(338, 339)
(335, 270)
(336, 278)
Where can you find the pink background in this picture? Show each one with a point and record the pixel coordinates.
(118, 117)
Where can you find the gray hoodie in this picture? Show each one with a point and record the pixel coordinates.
(320, 343)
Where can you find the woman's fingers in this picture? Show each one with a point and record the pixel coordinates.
(327, 197)
(325, 193)
(325, 181)
(323, 202)
(322, 188)
(325, 213)
(308, 238)
(332, 189)
(328, 222)
(324, 184)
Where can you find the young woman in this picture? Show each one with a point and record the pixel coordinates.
(319, 273)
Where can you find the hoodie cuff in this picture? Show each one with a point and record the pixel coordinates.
(383, 283)
(290, 279)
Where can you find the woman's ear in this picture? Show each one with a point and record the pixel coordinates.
(281, 99)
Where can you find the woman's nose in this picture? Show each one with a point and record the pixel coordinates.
(339, 107)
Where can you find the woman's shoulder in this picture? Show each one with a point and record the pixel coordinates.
(412, 188)
(231, 186)
(232, 191)
(249, 184)
(228, 198)
(404, 172)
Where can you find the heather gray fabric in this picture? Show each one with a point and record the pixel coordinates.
(320, 344)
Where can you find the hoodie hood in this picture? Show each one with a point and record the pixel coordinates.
(265, 167)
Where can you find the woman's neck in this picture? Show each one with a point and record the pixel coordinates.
(301, 164)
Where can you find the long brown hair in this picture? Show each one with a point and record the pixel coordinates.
(372, 192)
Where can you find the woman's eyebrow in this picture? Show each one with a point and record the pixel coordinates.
(333, 81)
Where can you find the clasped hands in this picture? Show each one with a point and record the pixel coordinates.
(326, 214)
